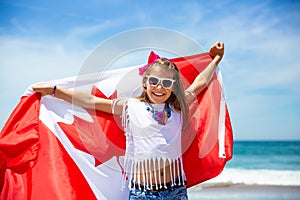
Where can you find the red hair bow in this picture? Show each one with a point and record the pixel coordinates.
(151, 60)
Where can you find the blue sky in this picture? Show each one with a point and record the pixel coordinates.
(45, 40)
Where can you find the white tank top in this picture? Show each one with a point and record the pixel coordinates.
(149, 145)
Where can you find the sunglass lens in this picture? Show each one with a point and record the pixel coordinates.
(167, 83)
(153, 81)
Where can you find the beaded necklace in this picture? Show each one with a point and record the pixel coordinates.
(160, 116)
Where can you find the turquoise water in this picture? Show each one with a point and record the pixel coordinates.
(259, 170)
(274, 163)
(270, 155)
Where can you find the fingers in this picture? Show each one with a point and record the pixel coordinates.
(219, 45)
(217, 50)
(36, 88)
(43, 89)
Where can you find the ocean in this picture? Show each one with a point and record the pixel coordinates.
(259, 169)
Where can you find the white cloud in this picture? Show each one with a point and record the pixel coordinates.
(27, 61)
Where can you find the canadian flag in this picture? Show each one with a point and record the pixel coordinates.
(52, 149)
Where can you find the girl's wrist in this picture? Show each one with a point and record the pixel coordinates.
(218, 58)
(53, 90)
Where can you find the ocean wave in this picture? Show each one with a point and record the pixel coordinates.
(233, 176)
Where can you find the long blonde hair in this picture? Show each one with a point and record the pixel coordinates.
(177, 97)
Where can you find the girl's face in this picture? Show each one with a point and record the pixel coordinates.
(158, 94)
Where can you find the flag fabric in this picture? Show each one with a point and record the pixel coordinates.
(52, 149)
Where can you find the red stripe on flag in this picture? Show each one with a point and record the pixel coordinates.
(200, 142)
(34, 164)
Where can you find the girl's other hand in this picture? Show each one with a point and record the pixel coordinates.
(217, 50)
(43, 89)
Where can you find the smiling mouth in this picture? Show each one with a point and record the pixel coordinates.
(158, 94)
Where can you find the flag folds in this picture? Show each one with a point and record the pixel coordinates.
(55, 150)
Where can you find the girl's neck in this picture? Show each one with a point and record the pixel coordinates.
(152, 103)
(156, 103)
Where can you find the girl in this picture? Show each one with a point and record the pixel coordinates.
(153, 123)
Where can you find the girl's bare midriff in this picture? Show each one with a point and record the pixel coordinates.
(152, 175)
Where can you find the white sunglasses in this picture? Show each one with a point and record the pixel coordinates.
(166, 83)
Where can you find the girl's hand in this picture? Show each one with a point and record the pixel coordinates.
(43, 89)
(217, 50)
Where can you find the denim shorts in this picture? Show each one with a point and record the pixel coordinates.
(178, 193)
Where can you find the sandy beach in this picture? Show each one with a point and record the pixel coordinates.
(245, 192)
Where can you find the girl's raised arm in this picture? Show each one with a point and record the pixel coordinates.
(80, 99)
(201, 81)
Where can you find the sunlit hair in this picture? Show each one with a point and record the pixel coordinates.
(177, 98)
